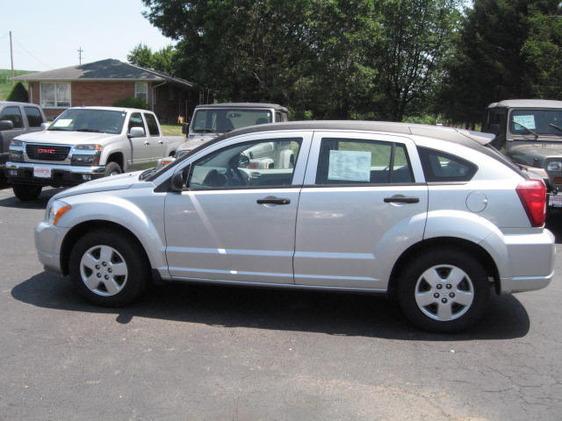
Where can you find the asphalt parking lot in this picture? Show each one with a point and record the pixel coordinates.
(195, 352)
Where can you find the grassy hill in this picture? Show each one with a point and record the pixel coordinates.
(6, 83)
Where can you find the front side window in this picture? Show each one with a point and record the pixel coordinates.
(545, 122)
(89, 120)
(152, 124)
(55, 95)
(442, 167)
(225, 120)
(34, 117)
(14, 115)
(136, 121)
(356, 161)
(266, 163)
(141, 91)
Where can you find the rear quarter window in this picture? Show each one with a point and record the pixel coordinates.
(439, 166)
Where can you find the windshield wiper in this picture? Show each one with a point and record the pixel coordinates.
(555, 126)
(147, 173)
(204, 131)
(89, 130)
(534, 133)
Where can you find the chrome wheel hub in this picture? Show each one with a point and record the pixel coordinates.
(444, 292)
(103, 270)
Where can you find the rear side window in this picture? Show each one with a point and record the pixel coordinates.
(14, 115)
(440, 166)
(152, 125)
(34, 116)
(356, 161)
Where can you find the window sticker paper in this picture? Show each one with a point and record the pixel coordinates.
(349, 166)
(527, 121)
(62, 122)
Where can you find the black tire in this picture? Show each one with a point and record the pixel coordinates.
(414, 269)
(137, 265)
(27, 192)
(112, 168)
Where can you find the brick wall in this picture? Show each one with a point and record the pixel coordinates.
(90, 93)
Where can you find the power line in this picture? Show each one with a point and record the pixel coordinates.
(29, 53)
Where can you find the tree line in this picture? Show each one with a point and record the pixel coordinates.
(418, 60)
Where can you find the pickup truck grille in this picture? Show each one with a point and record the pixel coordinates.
(47, 152)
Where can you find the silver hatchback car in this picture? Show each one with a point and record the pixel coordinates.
(428, 215)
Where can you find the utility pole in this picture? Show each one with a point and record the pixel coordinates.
(80, 51)
(11, 55)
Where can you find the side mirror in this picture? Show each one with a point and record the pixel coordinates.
(136, 132)
(185, 128)
(44, 126)
(6, 125)
(178, 180)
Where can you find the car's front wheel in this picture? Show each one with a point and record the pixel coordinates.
(27, 192)
(444, 290)
(108, 268)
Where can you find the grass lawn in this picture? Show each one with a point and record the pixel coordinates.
(171, 130)
(5, 83)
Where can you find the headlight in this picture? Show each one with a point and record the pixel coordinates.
(55, 211)
(86, 155)
(16, 150)
(554, 166)
(16, 143)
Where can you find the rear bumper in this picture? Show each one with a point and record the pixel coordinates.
(61, 175)
(531, 262)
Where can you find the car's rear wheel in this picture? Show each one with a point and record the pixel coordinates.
(444, 290)
(27, 192)
(109, 269)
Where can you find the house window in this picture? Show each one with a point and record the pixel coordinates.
(141, 91)
(55, 95)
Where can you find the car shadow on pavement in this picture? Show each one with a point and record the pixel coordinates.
(275, 309)
(40, 203)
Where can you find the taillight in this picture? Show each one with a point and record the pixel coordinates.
(533, 197)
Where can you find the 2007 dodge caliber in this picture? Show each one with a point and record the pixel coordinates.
(429, 215)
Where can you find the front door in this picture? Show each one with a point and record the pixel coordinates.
(142, 149)
(13, 114)
(236, 219)
(364, 198)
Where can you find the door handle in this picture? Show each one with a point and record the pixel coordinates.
(146, 143)
(271, 200)
(401, 199)
(161, 142)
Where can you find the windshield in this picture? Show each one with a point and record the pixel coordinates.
(542, 122)
(223, 120)
(88, 120)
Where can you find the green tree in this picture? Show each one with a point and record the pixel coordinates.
(18, 93)
(162, 60)
(506, 49)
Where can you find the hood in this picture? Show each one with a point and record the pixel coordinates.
(114, 182)
(534, 153)
(65, 138)
(194, 141)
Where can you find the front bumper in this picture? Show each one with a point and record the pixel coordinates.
(531, 261)
(48, 242)
(61, 175)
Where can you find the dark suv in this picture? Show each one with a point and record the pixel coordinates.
(17, 118)
(529, 132)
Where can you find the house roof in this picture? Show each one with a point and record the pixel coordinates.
(109, 69)
(527, 103)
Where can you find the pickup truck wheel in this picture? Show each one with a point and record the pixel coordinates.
(108, 268)
(26, 192)
(112, 168)
(444, 291)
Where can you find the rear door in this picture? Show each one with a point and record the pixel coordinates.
(364, 200)
(34, 118)
(142, 152)
(156, 141)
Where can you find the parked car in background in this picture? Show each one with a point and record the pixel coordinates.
(85, 143)
(529, 132)
(429, 215)
(212, 120)
(17, 118)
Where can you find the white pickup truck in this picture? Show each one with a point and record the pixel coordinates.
(85, 143)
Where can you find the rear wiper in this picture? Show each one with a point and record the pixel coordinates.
(555, 126)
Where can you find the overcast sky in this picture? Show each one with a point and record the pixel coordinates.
(47, 34)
